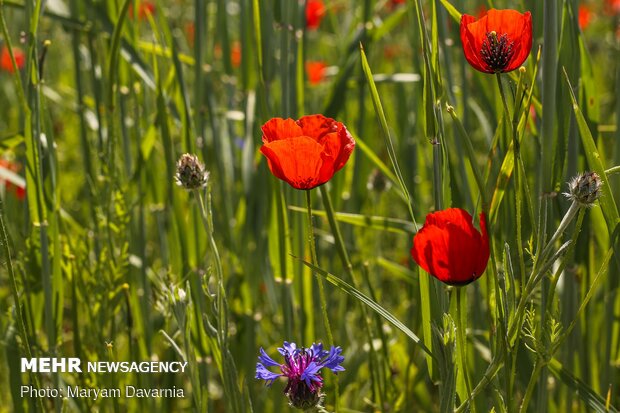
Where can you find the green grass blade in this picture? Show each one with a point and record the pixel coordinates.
(349, 289)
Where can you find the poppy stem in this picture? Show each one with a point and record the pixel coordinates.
(461, 333)
(312, 246)
(516, 168)
(472, 157)
(498, 76)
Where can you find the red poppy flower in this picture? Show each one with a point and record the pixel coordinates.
(315, 10)
(585, 15)
(450, 248)
(315, 72)
(306, 153)
(5, 59)
(498, 42)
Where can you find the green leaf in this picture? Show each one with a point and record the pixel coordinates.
(367, 221)
(454, 13)
(349, 289)
(594, 401)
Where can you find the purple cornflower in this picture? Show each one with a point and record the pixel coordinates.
(302, 366)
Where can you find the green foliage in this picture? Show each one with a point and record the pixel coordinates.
(108, 260)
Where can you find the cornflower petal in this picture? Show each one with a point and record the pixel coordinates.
(287, 348)
(311, 374)
(334, 359)
(264, 374)
(266, 360)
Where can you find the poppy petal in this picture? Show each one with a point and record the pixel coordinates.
(484, 251)
(317, 126)
(278, 128)
(295, 160)
(430, 246)
(450, 248)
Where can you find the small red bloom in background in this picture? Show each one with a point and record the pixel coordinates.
(612, 7)
(315, 10)
(235, 54)
(5, 59)
(396, 3)
(15, 183)
(498, 42)
(307, 152)
(145, 9)
(190, 32)
(585, 15)
(450, 248)
(315, 71)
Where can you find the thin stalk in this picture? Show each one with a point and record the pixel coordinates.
(613, 170)
(208, 224)
(516, 151)
(492, 370)
(568, 218)
(21, 325)
(228, 369)
(312, 246)
(498, 76)
(472, 157)
(531, 385)
(461, 326)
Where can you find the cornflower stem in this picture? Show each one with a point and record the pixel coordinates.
(461, 333)
(313, 257)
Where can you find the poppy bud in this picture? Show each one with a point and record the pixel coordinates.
(585, 188)
(191, 173)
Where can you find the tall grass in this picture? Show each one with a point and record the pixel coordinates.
(107, 259)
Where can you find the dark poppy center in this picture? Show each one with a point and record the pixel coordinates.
(497, 51)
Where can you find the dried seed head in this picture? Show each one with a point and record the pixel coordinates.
(191, 173)
(585, 188)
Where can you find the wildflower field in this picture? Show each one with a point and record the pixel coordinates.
(303, 205)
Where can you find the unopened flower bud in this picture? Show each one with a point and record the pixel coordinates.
(191, 173)
(585, 188)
